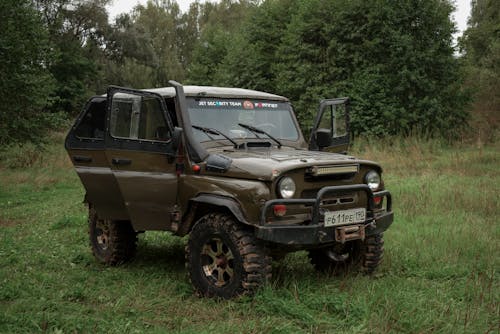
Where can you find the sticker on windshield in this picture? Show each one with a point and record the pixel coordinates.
(248, 105)
(236, 104)
(220, 103)
(266, 105)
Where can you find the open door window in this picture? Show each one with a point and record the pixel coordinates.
(138, 115)
(331, 127)
(139, 120)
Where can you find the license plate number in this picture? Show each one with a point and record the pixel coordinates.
(344, 217)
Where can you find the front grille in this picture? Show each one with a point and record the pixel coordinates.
(311, 193)
(339, 199)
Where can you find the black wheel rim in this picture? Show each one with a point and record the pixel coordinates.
(102, 234)
(217, 261)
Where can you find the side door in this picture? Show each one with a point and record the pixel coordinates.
(86, 149)
(331, 126)
(140, 151)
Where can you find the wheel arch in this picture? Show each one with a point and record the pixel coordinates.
(203, 204)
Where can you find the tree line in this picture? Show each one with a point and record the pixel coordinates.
(395, 60)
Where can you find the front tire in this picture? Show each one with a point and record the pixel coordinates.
(112, 242)
(364, 256)
(224, 259)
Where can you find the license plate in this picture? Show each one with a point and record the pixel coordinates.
(344, 217)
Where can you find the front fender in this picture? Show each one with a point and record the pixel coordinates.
(223, 202)
(246, 195)
(206, 203)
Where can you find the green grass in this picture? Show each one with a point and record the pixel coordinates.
(440, 271)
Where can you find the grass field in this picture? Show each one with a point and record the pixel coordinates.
(440, 272)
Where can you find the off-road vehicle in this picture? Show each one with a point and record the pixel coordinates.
(230, 168)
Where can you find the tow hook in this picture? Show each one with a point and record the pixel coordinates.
(372, 224)
(350, 232)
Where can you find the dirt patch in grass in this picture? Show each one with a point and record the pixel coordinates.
(8, 223)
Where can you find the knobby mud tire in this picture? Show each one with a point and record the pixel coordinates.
(224, 259)
(112, 242)
(372, 253)
(364, 256)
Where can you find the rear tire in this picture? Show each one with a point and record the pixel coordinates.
(364, 256)
(112, 242)
(224, 259)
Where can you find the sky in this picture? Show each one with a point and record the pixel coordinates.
(125, 6)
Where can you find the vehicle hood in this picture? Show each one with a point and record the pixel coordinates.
(267, 164)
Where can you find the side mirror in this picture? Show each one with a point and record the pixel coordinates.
(176, 138)
(323, 137)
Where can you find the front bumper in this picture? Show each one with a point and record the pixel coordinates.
(315, 233)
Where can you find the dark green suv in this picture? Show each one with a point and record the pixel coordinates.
(231, 168)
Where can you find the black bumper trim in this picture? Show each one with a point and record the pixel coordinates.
(313, 235)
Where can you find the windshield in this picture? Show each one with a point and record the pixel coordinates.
(224, 115)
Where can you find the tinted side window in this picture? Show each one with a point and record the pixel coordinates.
(326, 119)
(92, 124)
(137, 117)
(122, 113)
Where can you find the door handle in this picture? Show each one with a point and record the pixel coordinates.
(121, 162)
(82, 158)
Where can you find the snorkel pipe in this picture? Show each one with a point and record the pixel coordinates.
(196, 152)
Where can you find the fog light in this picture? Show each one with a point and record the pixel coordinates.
(279, 210)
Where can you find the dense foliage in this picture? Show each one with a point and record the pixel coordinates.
(25, 81)
(394, 59)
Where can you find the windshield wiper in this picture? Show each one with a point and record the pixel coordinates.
(212, 131)
(259, 131)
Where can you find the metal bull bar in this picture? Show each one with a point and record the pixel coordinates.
(335, 190)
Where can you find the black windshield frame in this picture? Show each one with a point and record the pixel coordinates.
(224, 114)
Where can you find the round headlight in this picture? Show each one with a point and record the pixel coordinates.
(286, 187)
(372, 179)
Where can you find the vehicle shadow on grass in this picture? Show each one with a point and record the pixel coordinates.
(167, 257)
(161, 256)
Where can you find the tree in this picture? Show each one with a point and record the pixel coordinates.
(395, 60)
(252, 52)
(145, 48)
(26, 82)
(218, 24)
(480, 45)
(77, 30)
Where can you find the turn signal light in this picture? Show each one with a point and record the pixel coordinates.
(377, 200)
(279, 210)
